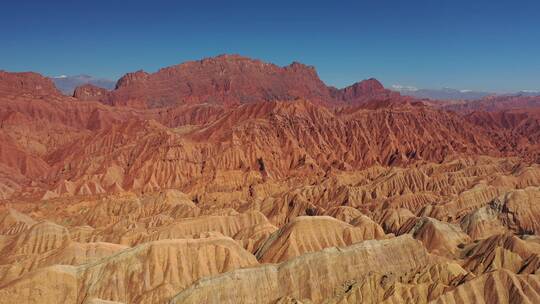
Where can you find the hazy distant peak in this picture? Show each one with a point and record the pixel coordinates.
(404, 88)
(67, 84)
(440, 94)
(529, 93)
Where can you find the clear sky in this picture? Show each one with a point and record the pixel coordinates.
(476, 44)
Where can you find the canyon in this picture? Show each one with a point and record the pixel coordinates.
(233, 180)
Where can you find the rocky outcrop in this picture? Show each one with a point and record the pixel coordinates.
(521, 210)
(14, 222)
(309, 234)
(486, 289)
(226, 79)
(367, 92)
(438, 237)
(89, 92)
(328, 270)
(233, 79)
(149, 273)
(503, 251)
(30, 83)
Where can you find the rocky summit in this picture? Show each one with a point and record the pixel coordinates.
(233, 180)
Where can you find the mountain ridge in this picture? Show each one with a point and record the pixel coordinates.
(190, 184)
(234, 79)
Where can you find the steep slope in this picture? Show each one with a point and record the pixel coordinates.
(518, 289)
(26, 83)
(156, 271)
(269, 140)
(309, 234)
(90, 92)
(438, 237)
(232, 79)
(328, 270)
(227, 79)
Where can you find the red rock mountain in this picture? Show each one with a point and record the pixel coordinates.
(232, 79)
(89, 92)
(26, 83)
(195, 183)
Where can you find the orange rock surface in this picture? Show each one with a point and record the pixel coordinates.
(232, 180)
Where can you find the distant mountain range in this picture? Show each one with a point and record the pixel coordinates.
(67, 84)
(233, 79)
(452, 94)
(440, 94)
(528, 93)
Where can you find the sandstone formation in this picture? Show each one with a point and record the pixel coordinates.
(517, 289)
(438, 237)
(304, 234)
(231, 79)
(232, 180)
(89, 92)
(314, 276)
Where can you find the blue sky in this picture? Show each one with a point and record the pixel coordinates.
(479, 45)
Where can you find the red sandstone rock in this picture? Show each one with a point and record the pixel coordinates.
(26, 83)
(255, 154)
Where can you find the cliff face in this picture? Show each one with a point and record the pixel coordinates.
(232, 180)
(233, 79)
(226, 79)
(26, 83)
(89, 92)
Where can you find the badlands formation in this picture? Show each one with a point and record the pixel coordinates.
(231, 180)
